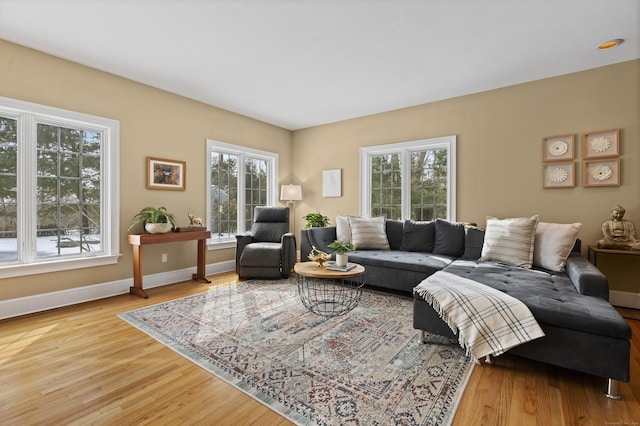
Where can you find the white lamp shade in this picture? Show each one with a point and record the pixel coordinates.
(291, 193)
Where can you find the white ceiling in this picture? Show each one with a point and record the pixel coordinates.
(301, 63)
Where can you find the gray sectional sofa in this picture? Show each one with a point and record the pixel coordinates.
(583, 331)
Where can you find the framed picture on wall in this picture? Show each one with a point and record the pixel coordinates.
(558, 148)
(602, 172)
(559, 174)
(603, 143)
(166, 174)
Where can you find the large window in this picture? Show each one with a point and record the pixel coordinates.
(239, 179)
(409, 180)
(58, 189)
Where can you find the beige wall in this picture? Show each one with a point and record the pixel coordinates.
(499, 149)
(499, 141)
(152, 123)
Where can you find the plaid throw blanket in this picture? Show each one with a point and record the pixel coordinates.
(488, 322)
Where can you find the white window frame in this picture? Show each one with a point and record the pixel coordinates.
(405, 149)
(28, 116)
(272, 183)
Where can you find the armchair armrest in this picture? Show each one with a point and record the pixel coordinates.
(288, 242)
(587, 279)
(241, 241)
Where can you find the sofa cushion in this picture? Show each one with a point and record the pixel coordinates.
(269, 231)
(449, 238)
(369, 233)
(551, 297)
(343, 229)
(553, 244)
(426, 263)
(418, 236)
(510, 240)
(473, 240)
(263, 254)
(394, 233)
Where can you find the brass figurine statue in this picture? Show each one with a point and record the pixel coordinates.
(618, 233)
(194, 220)
(318, 256)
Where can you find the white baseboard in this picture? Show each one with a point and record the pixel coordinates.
(45, 301)
(624, 299)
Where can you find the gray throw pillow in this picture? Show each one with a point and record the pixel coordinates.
(394, 233)
(418, 236)
(449, 238)
(473, 240)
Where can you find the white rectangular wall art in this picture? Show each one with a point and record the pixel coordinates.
(332, 183)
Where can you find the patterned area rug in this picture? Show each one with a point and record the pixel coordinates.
(366, 367)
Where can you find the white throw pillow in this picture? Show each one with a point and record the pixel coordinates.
(343, 229)
(510, 240)
(369, 233)
(554, 242)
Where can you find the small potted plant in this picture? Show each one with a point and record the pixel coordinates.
(156, 220)
(341, 248)
(316, 220)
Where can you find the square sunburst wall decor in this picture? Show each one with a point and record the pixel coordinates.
(559, 174)
(603, 143)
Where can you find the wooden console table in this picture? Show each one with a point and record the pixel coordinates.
(139, 240)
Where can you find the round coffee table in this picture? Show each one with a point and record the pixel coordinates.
(327, 292)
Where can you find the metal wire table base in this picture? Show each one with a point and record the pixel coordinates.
(330, 297)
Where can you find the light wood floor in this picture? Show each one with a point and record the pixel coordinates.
(83, 365)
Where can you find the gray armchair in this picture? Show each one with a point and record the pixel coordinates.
(269, 249)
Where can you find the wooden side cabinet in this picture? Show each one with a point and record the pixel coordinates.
(622, 269)
(139, 240)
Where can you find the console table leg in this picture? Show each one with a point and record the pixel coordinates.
(201, 267)
(138, 292)
(137, 273)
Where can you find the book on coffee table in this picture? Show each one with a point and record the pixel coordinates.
(332, 266)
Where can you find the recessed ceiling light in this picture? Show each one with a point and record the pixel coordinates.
(611, 43)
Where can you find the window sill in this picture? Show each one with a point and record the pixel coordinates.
(18, 270)
(220, 245)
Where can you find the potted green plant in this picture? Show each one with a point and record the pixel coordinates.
(316, 220)
(341, 248)
(156, 220)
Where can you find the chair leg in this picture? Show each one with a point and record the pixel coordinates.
(613, 391)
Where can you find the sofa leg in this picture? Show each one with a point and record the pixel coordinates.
(423, 336)
(612, 390)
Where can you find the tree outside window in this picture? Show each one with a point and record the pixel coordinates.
(239, 180)
(58, 189)
(409, 180)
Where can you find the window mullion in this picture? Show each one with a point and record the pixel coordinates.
(366, 159)
(241, 192)
(405, 167)
(27, 195)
